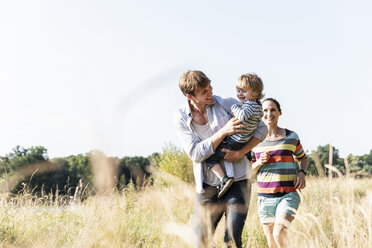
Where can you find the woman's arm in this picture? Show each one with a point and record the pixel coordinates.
(264, 157)
(299, 181)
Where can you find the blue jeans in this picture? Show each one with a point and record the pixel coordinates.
(209, 210)
(228, 143)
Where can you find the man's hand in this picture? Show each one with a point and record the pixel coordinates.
(231, 156)
(233, 126)
(299, 181)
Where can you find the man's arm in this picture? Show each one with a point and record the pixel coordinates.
(232, 126)
(232, 155)
(258, 135)
(197, 150)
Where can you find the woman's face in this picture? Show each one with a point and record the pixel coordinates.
(271, 113)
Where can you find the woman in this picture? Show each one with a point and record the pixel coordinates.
(277, 177)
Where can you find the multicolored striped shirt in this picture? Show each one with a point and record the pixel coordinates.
(275, 178)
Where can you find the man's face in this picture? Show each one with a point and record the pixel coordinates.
(203, 96)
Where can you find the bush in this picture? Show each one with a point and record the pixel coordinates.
(175, 161)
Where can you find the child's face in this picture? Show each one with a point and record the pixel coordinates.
(244, 94)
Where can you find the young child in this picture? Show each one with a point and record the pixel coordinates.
(249, 91)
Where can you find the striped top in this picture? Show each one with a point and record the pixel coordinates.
(275, 178)
(250, 113)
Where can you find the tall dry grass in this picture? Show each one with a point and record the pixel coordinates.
(336, 213)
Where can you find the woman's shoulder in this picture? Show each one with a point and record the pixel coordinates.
(287, 131)
(291, 134)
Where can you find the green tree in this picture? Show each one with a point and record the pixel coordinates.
(21, 157)
(311, 168)
(134, 169)
(363, 162)
(176, 162)
(368, 159)
(30, 166)
(323, 152)
(56, 179)
(79, 167)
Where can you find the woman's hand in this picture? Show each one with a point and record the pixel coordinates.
(264, 158)
(299, 181)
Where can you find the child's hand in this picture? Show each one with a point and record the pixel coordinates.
(264, 157)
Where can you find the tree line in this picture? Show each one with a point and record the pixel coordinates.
(358, 166)
(33, 168)
(174, 161)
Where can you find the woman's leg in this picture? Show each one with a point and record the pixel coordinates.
(282, 221)
(266, 212)
(285, 213)
(268, 230)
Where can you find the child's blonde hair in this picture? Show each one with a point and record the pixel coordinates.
(251, 82)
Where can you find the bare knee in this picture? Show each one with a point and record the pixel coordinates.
(279, 234)
(268, 230)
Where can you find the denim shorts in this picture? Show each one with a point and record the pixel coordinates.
(268, 207)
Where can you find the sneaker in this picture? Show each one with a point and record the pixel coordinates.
(224, 185)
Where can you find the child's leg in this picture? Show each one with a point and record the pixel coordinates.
(218, 171)
(229, 169)
(225, 181)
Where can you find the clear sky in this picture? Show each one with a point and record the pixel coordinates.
(83, 75)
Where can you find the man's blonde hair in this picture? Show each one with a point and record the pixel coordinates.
(252, 82)
(191, 80)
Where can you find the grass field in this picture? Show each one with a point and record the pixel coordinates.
(333, 213)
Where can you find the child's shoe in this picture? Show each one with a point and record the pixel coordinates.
(225, 184)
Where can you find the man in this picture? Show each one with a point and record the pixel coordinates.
(81, 192)
(201, 124)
